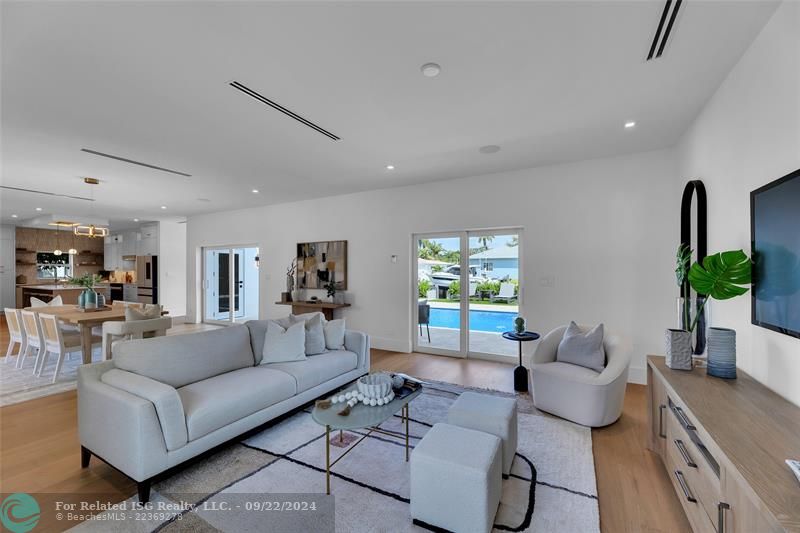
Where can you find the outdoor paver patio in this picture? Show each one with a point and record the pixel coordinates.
(480, 341)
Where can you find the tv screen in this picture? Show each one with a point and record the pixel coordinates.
(775, 228)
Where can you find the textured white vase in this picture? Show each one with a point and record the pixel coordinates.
(678, 346)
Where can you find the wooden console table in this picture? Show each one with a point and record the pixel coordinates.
(326, 308)
(724, 443)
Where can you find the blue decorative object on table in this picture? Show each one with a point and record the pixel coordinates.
(721, 353)
(521, 373)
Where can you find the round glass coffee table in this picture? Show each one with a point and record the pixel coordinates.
(361, 417)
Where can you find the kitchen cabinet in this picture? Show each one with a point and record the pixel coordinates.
(148, 240)
(112, 258)
(128, 245)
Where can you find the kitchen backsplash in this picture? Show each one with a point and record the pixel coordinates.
(122, 276)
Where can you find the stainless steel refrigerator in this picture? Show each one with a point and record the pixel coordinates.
(147, 278)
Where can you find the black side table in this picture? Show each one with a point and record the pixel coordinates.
(521, 373)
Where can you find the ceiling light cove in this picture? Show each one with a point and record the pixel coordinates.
(630, 124)
(489, 149)
(430, 70)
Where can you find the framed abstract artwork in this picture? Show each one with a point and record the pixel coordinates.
(321, 262)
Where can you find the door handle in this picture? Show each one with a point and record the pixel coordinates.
(721, 508)
(661, 421)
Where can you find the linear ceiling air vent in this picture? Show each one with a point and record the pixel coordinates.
(131, 161)
(46, 193)
(264, 100)
(659, 39)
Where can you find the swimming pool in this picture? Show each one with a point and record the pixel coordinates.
(494, 321)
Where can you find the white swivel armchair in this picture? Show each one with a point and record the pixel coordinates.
(134, 329)
(577, 393)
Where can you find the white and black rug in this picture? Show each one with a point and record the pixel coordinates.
(552, 487)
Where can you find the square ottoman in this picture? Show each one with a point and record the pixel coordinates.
(456, 479)
(491, 414)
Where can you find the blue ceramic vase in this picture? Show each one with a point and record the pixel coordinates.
(721, 353)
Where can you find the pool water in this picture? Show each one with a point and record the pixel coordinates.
(494, 321)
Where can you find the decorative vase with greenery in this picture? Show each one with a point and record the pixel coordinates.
(88, 297)
(331, 288)
(519, 325)
(722, 276)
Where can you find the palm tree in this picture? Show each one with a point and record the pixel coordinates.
(513, 242)
(485, 240)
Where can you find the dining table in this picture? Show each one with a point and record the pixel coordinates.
(85, 320)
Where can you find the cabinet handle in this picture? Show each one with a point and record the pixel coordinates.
(684, 487)
(661, 421)
(685, 453)
(684, 419)
(721, 508)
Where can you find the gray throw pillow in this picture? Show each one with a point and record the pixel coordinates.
(315, 334)
(283, 345)
(582, 348)
(334, 334)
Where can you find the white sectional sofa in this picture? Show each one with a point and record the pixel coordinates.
(162, 402)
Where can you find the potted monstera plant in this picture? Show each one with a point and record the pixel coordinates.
(721, 276)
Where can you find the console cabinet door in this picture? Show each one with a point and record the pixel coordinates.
(657, 412)
(742, 514)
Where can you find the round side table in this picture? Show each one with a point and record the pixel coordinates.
(521, 373)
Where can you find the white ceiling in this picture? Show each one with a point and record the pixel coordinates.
(547, 81)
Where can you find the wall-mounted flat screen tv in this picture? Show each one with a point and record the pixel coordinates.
(775, 235)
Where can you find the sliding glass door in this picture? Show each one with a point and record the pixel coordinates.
(466, 292)
(230, 284)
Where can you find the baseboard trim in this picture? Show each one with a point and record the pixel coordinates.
(179, 320)
(637, 374)
(392, 345)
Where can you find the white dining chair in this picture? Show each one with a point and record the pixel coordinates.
(123, 303)
(56, 340)
(33, 338)
(16, 334)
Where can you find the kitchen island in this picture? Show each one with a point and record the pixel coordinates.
(69, 293)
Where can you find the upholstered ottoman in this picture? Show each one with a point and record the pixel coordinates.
(456, 478)
(491, 414)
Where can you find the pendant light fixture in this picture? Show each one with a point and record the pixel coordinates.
(57, 251)
(91, 230)
(72, 250)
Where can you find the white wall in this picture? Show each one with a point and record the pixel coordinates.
(748, 135)
(8, 266)
(604, 229)
(172, 268)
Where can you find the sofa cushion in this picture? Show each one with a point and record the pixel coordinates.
(221, 400)
(179, 360)
(318, 369)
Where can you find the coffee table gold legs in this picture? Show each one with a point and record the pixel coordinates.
(327, 459)
(406, 413)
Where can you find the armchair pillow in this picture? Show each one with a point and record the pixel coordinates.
(284, 345)
(582, 348)
(315, 332)
(334, 334)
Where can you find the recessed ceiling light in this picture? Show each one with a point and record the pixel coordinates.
(163, 207)
(389, 167)
(489, 149)
(38, 208)
(136, 220)
(255, 191)
(630, 124)
(430, 70)
(13, 216)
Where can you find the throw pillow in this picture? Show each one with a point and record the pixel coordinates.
(36, 302)
(334, 334)
(284, 345)
(582, 348)
(308, 316)
(315, 333)
(149, 312)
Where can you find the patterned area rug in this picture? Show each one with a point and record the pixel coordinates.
(552, 486)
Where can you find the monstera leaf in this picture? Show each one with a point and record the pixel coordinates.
(722, 275)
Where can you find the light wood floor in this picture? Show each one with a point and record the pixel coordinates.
(39, 448)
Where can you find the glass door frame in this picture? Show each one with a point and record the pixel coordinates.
(464, 304)
(231, 250)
